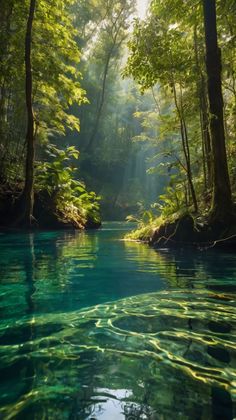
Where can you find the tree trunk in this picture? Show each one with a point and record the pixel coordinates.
(206, 134)
(115, 44)
(101, 102)
(28, 193)
(221, 207)
(185, 144)
(204, 119)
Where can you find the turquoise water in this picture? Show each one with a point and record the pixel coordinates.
(92, 327)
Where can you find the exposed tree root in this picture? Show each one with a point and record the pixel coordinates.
(184, 232)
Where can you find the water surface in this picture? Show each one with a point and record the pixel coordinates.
(92, 327)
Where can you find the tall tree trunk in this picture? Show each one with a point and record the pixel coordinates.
(28, 193)
(204, 119)
(115, 44)
(101, 102)
(206, 133)
(221, 199)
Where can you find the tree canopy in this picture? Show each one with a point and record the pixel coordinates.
(149, 103)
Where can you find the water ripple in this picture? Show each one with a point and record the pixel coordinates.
(173, 335)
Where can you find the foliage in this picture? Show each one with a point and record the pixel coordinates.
(146, 221)
(68, 195)
(56, 78)
(164, 125)
(94, 32)
(108, 164)
(167, 58)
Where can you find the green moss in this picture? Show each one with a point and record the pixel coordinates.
(147, 226)
(144, 231)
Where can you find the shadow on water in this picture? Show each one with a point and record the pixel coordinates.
(96, 328)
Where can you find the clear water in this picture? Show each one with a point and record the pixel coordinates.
(92, 327)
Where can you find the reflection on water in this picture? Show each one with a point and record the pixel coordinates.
(96, 328)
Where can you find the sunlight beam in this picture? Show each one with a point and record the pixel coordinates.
(142, 8)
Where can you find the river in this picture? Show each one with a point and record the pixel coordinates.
(92, 327)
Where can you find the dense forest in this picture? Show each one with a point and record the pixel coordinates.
(117, 209)
(190, 54)
(147, 105)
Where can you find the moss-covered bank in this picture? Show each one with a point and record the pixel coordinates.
(188, 231)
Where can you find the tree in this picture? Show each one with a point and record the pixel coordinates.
(221, 200)
(42, 68)
(155, 59)
(28, 192)
(206, 121)
(112, 30)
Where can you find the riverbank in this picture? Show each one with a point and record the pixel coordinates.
(187, 232)
(48, 213)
